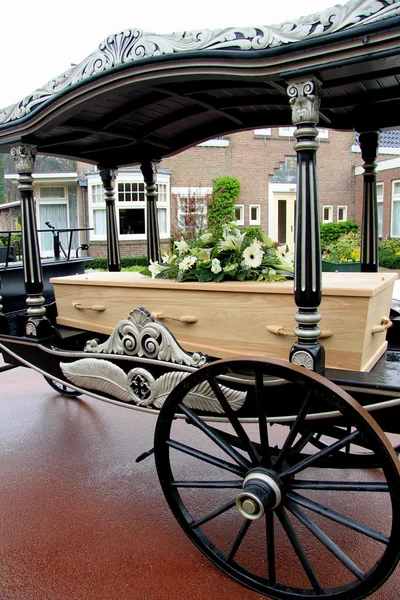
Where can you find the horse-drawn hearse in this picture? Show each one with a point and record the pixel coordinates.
(265, 444)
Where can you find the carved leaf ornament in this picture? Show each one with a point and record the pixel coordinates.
(138, 386)
(133, 45)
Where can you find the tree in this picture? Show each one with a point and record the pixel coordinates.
(222, 208)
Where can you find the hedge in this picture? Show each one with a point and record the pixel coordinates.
(101, 263)
(389, 260)
(331, 232)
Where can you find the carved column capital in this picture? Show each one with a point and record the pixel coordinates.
(149, 171)
(305, 100)
(108, 177)
(24, 157)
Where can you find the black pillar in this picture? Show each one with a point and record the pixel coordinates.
(369, 144)
(37, 325)
(108, 177)
(307, 351)
(153, 237)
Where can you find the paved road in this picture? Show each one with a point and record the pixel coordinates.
(79, 519)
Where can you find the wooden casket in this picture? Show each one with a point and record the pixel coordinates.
(237, 318)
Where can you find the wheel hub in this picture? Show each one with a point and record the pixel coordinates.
(260, 493)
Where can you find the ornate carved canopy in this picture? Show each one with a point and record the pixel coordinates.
(142, 96)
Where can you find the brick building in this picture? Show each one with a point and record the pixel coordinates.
(264, 162)
(387, 186)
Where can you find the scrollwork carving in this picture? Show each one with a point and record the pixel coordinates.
(139, 335)
(24, 157)
(132, 45)
(305, 100)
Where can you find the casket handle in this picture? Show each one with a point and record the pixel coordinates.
(385, 324)
(279, 330)
(183, 319)
(95, 307)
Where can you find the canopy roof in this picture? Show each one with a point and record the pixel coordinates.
(142, 96)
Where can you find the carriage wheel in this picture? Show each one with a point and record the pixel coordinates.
(261, 501)
(62, 388)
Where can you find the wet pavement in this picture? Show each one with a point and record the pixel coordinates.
(79, 519)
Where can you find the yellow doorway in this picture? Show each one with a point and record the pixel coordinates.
(284, 218)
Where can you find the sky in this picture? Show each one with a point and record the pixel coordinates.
(41, 39)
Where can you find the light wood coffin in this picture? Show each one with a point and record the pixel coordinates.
(237, 318)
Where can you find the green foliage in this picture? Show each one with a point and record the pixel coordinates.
(390, 246)
(389, 260)
(221, 210)
(344, 250)
(126, 262)
(331, 232)
(234, 255)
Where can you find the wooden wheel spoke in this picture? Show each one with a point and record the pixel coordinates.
(326, 541)
(208, 458)
(339, 486)
(236, 424)
(238, 540)
(213, 514)
(294, 430)
(315, 458)
(298, 548)
(270, 540)
(215, 436)
(234, 484)
(333, 515)
(262, 420)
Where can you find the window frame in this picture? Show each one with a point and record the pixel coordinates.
(202, 213)
(241, 211)
(330, 207)
(379, 202)
(256, 221)
(124, 178)
(392, 201)
(338, 208)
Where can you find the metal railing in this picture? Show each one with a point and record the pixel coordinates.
(14, 248)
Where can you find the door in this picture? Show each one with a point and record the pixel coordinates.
(284, 218)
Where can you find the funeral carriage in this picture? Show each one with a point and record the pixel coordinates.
(267, 439)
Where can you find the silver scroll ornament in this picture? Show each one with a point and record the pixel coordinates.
(132, 45)
(138, 386)
(139, 335)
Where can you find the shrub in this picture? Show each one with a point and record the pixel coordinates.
(101, 263)
(388, 259)
(390, 246)
(331, 232)
(345, 249)
(221, 210)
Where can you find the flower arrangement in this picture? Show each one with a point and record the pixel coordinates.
(233, 254)
(345, 250)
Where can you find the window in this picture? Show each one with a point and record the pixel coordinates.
(254, 214)
(98, 211)
(341, 213)
(262, 132)
(286, 131)
(323, 134)
(239, 214)
(192, 212)
(395, 224)
(327, 214)
(55, 207)
(379, 200)
(130, 207)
